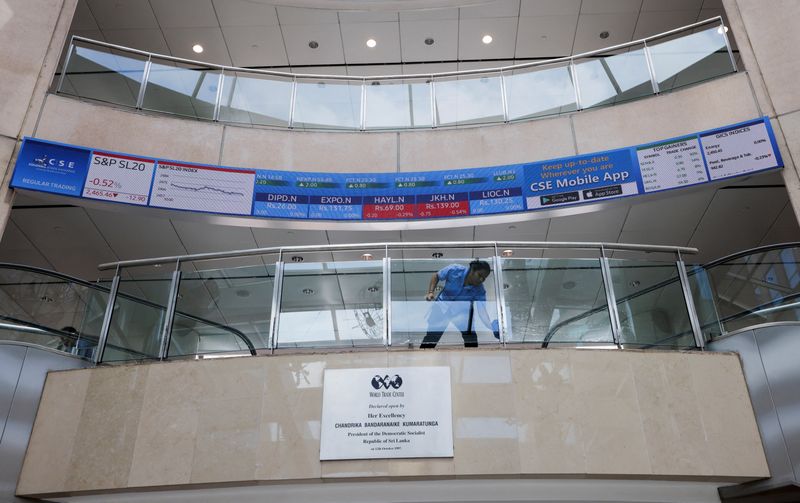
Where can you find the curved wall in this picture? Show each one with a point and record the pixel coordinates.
(516, 414)
(712, 104)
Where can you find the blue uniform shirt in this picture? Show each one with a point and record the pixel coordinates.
(454, 287)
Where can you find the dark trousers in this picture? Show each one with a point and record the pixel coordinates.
(469, 335)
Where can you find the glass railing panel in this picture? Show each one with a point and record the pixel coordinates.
(651, 305)
(331, 304)
(704, 305)
(53, 311)
(555, 301)
(223, 310)
(139, 313)
(103, 74)
(613, 79)
(763, 287)
(252, 98)
(398, 104)
(539, 91)
(688, 59)
(181, 89)
(416, 320)
(470, 99)
(327, 104)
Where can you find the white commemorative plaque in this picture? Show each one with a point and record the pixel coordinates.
(401, 412)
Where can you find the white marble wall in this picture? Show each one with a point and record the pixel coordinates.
(516, 413)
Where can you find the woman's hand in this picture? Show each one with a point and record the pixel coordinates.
(430, 296)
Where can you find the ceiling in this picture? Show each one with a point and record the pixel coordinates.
(276, 34)
(57, 234)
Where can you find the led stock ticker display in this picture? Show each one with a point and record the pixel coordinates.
(704, 157)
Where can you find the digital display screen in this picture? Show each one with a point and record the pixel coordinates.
(735, 150)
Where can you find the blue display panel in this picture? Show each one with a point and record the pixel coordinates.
(735, 150)
(51, 167)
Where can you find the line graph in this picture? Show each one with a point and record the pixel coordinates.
(203, 188)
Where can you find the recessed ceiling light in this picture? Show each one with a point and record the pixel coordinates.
(366, 256)
(429, 41)
(308, 291)
(487, 39)
(371, 43)
(722, 29)
(197, 48)
(313, 44)
(297, 258)
(603, 34)
(508, 253)
(437, 254)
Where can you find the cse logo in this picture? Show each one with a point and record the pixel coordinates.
(379, 382)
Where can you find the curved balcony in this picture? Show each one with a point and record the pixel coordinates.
(145, 81)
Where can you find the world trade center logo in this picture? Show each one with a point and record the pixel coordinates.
(379, 382)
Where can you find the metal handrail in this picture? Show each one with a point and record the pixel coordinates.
(280, 250)
(751, 251)
(409, 76)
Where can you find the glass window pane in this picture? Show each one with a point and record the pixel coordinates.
(332, 104)
(177, 89)
(223, 309)
(398, 104)
(652, 308)
(39, 308)
(256, 99)
(139, 309)
(758, 288)
(556, 301)
(414, 318)
(613, 79)
(538, 91)
(331, 304)
(690, 58)
(103, 74)
(472, 99)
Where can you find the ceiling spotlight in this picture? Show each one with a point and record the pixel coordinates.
(366, 256)
(197, 48)
(429, 41)
(635, 283)
(297, 258)
(569, 285)
(313, 44)
(372, 289)
(437, 254)
(722, 29)
(506, 286)
(308, 291)
(603, 34)
(508, 253)
(371, 43)
(487, 39)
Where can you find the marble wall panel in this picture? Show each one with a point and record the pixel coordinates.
(26, 34)
(310, 151)
(104, 127)
(485, 146)
(516, 413)
(705, 106)
(107, 429)
(774, 38)
(45, 469)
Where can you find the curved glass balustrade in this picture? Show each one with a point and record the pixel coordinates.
(750, 288)
(146, 81)
(68, 314)
(341, 296)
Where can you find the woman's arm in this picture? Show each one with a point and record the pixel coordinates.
(432, 286)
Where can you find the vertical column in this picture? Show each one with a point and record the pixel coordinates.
(611, 299)
(699, 340)
(169, 316)
(277, 292)
(112, 300)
